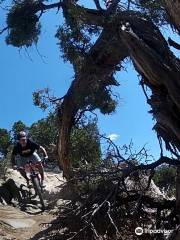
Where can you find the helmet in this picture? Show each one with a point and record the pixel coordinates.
(21, 134)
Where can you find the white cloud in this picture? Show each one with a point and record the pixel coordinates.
(113, 136)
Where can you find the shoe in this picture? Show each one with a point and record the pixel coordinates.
(29, 185)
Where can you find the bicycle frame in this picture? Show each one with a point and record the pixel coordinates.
(31, 169)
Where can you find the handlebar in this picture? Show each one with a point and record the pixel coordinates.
(29, 163)
(15, 167)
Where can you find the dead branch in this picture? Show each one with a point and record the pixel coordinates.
(3, 30)
(173, 43)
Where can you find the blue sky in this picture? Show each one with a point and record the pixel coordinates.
(20, 76)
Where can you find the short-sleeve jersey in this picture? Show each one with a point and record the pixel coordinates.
(27, 150)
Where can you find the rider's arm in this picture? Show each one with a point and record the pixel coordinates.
(36, 146)
(44, 151)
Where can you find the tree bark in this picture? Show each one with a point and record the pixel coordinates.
(173, 10)
(178, 191)
(68, 113)
(161, 73)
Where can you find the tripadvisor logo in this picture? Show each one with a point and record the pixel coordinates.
(139, 231)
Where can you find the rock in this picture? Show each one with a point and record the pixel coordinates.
(61, 202)
(14, 218)
(18, 223)
(32, 209)
(153, 190)
(56, 170)
(9, 191)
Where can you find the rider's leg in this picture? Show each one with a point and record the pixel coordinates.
(20, 162)
(40, 167)
(41, 170)
(23, 173)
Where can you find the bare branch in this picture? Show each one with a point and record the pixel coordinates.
(98, 6)
(3, 30)
(173, 43)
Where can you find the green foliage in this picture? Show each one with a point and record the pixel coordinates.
(40, 98)
(17, 127)
(85, 145)
(73, 49)
(3, 169)
(99, 95)
(23, 25)
(45, 131)
(5, 163)
(5, 141)
(102, 99)
(165, 178)
(75, 37)
(75, 43)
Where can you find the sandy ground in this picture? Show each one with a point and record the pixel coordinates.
(53, 179)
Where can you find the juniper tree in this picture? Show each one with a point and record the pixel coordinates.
(96, 41)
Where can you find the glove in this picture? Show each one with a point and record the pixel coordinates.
(45, 159)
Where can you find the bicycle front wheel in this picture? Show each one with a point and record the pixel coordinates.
(38, 190)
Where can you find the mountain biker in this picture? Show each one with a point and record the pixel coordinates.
(24, 151)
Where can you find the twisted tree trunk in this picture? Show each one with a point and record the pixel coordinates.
(133, 36)
(97, 68)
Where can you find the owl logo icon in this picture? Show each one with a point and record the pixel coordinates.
(139, 231)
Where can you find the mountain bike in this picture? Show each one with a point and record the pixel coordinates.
(32, 173)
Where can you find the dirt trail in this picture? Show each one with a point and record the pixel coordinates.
(16, 224)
